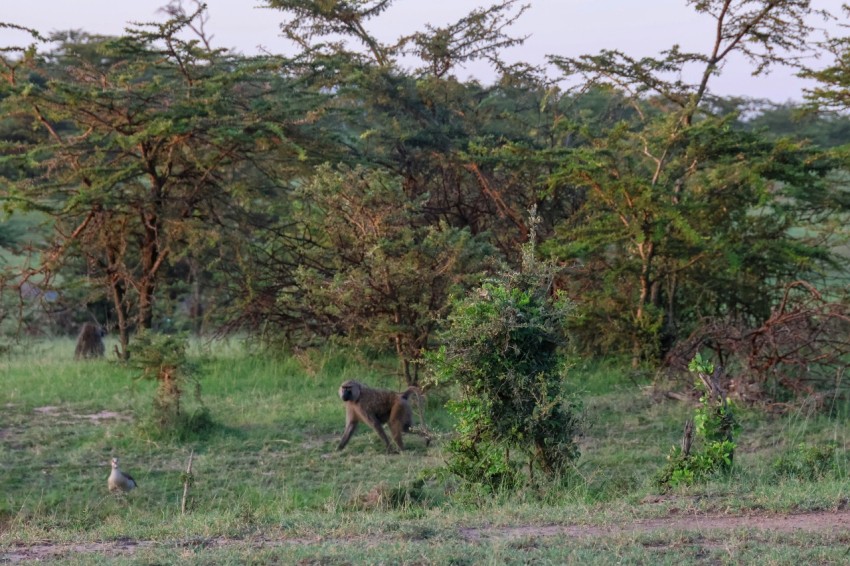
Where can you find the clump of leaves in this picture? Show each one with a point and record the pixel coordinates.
(162, 358)
(714, 425)
(502, 348)
(809, 462)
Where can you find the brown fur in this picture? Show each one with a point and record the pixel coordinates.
(90, 342)
(377, 407)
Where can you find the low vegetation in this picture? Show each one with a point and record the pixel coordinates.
(270, 485)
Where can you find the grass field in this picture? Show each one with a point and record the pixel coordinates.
(270, 487)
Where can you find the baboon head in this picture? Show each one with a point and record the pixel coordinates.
(349, 391)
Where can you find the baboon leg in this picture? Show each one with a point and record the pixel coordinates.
(401, 419)
(379, 429)
(350, 427)
(397, 427)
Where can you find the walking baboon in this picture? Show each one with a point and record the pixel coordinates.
(90, 342)
(375, 407)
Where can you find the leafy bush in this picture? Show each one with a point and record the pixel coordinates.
(502, 349)
(714, 425)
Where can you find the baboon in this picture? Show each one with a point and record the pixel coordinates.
(90, 342)
(375, 407)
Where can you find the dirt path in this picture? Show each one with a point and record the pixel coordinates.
(821, 521)
(816, 522)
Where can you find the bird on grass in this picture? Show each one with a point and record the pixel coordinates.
(118, 480)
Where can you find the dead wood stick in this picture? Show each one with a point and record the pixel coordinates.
(186, 482)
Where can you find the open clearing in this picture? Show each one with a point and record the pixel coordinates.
(270, 486)
(710, 527)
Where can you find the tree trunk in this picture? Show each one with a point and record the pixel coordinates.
(118, 303)
(646, 290)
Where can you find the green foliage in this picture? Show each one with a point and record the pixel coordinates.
(163, 359)
(684, 214)
(153, 156)
(715, 457)
(502, 347)
(713, 420)
(382, 272)
(714, 426)
(808, 462)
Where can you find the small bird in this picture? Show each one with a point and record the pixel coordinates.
(118, 480)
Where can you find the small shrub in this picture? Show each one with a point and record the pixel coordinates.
(807, 462)
(162, 358)
(714, 425)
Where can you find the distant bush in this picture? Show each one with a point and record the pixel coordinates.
(810, 462)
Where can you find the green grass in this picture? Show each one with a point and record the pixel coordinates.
(270, 485)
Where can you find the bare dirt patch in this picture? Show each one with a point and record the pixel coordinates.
(820, 521)
(46, 550)
(815, 522)
(70, 416)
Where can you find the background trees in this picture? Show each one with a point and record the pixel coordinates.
(352, 189)
(685, 215)
(154, 148)
(379, 273)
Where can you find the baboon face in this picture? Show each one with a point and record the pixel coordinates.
(349, 391)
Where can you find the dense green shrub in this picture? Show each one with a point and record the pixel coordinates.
(502, 348)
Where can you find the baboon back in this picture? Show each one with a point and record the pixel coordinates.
(90, 342)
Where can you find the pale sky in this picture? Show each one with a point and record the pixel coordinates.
(561, 27)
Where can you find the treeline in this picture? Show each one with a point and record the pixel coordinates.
(342, 192)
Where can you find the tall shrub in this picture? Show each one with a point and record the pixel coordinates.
(714, 425)
(502, 348)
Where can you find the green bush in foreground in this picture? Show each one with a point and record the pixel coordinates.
(501, 348)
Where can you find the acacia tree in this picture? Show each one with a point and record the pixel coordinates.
(433, 167)
(152, 152)
(683, 214)
(381, 273)
(471, 149)
(831, 94)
